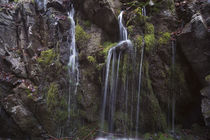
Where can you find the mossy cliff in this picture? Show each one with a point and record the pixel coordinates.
(34, 76)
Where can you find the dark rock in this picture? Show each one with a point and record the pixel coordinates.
(36, 104)
(57, 4)
(206, 111)
(206, 92)
(205, 106)
(95, 11)
(205, 10)
(9, 129)
(194, 43)
(22, 117)
(208, 22)
(198, 26)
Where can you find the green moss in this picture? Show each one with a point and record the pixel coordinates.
(164, 137)
(61, 115)
(147, 136)
(149, 28)
(91, 59)
(106, 47)
(47, 57)
(207, 78)
(52, 96)
(149, 42)
(87, 132)
(130, 29)
(164, 39)
(81, 36)
(140, 18)
(87, 23)
(139, 41)
(57, 106)
(100, 66)
(158, 119)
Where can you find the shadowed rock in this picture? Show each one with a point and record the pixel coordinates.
(102, 14)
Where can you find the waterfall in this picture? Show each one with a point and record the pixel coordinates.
(173, 47)
(139, 92)
(73, 63)
(144, 13)
(111, 77)
(123, 31)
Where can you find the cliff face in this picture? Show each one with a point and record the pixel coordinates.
(34, 54)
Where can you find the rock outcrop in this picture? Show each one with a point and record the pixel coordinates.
(194, 43)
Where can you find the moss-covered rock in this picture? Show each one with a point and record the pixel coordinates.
(164, 38)
(46, 57)
(106, 46)
(149, 28)
(81, 36)
(52, 96)
(91, 59)
(139, 40)
(150, 42)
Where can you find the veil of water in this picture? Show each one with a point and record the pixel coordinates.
(73, 62)
(112, 77)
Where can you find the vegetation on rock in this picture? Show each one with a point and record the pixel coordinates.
(150, 42)
(164, 38)
(81, 36)
(47, 57)
(149, 28)
(91, 59)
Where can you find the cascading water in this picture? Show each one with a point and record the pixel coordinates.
(123, 31)
(139, 92)
(113, 76)
(73, 62)
(144, 13)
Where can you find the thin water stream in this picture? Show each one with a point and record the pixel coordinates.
(73, 64)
